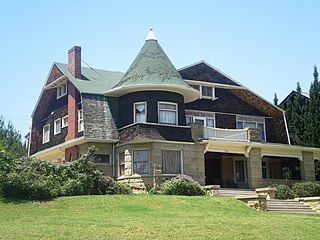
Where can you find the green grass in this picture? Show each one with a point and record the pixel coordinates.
(148, 217)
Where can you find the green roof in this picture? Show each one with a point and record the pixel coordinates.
(94, 81)
(151, 67)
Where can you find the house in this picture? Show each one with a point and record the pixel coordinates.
(154, 122)
(291, 96)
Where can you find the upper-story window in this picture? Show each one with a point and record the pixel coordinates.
(207, 91)
(80, 120)
(46, 133)
(168, 113)
(65, 121)
(205, 121)
(195, 86)
(140, 112)
(57, 126)
(252, 122)
(61, 90)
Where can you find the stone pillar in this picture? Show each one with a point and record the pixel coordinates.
(127, 163)
(254, 135)
(307, 167)
(196, 131)
(254, 168)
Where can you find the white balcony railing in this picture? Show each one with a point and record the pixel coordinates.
(226, 134)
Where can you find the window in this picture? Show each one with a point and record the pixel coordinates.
(252, 122)
(80, 120)
(46, 134)
(207, 91)
(61, 90)
(168, 113)
(65, 121)
(140, 162)
(199, 120)
(188, 120)
(266, 169)
(171, 162)
(101, 158)
(210, 122)
(57, 126)
(140, 112)
(121, 164)
(239, 171)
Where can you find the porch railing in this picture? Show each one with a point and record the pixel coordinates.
(226, 134)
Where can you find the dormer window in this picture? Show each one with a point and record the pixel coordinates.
(140, 112)
(62, 90)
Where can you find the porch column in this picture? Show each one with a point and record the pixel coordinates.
(307, 167)
(254, 168)
(127, 163)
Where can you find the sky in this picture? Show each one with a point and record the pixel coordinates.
(267, 45)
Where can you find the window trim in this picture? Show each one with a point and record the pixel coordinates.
(62, 121)
(181, 162)
(55, 132)
(170, 110)
(59, 95)
(124, 164)
(244, 170)
(43, 140)
(257, 120)
(80, 120)
(205, 119)
(134, 111)
(148, 158)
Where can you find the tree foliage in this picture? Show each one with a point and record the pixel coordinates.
(10, 139)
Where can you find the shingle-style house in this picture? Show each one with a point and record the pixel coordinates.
(154, 122)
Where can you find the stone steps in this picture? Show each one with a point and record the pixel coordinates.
(288, 206)
(237, 192)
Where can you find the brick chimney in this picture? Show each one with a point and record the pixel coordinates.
(74, 61)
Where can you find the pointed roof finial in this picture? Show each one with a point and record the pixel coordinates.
(151, 35)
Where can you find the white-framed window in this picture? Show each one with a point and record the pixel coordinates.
(80, 120)
(121, 164)
(64, 121)
(140, 162)
(61, 90)
(252, 122)
(140, 112)
(205, 121)
(57, 126)
(266, 169)
(207, 91)
(168, 113)
(46, 133)
(102, 158)
(171, 161)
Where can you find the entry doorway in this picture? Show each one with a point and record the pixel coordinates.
(213, 169)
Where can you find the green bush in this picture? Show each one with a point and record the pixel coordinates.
(306, 189)
(284, 192)
(182, 185)
(39, 179)
(155, 190)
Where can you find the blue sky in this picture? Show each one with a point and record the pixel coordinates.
(268, 46)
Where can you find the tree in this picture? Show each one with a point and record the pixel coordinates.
(10, 139)
(296, 111)
(313, 117)
(275, 100)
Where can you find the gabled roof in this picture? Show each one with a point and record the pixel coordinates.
(153, 70)
(94, 81)
(292, 94)
(202, 71)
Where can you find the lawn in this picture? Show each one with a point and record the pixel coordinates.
(148, 217)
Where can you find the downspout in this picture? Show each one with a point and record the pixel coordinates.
(113, 166)
(285, 123)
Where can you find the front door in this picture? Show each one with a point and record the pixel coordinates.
(213, 171)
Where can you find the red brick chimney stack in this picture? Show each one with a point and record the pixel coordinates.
(74, 61)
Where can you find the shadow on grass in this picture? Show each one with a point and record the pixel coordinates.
(21, 201)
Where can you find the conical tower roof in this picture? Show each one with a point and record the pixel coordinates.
(153, 70)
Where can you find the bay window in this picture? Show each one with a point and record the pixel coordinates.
(140, 162)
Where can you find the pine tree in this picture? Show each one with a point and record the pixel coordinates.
(313, 121)
(275, 100)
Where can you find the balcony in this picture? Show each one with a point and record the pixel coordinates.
(220, 134)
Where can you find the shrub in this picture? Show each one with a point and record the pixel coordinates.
(284, 192)
(182, 185)
(155, 190)
(306, 189)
